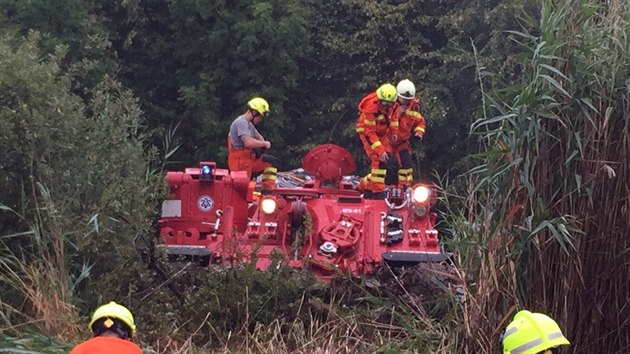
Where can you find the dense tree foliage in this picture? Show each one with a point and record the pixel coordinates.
(71, 23)
(76, 182)
(197, 62)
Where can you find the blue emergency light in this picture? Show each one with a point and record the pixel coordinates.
(206, 173)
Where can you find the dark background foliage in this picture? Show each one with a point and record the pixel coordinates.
(196, 63)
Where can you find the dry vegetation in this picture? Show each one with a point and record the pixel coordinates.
(547, 213)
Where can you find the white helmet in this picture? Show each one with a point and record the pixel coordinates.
(406, 89)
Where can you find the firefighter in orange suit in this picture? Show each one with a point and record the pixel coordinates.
(411, 122)
(113, 326)
(376, 127)
(245, 144)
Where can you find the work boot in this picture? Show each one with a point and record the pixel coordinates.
(361, 185)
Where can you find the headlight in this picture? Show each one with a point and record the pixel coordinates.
(268, 205)
(420, 194)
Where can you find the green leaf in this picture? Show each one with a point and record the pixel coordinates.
(555, 71)
(556, 84)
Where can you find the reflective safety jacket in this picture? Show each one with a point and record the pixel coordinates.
(410, 120)
(375, 123)
(106, 345)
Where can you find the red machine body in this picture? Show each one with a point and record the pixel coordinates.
(324, 226)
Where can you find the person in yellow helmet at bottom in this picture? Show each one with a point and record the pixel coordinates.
(532, 333)
(112, 326)
(245, 145)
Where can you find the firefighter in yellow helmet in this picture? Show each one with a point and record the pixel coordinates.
(375, 127)
(112, 326)
(532, 333)
(245, 144)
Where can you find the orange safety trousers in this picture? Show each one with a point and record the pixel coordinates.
(402, 153)
(375, 180)
(245, 160)
(106, 345)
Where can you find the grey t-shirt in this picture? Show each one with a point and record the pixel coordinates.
(242, 127)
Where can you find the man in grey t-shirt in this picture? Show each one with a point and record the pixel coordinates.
(244, 138)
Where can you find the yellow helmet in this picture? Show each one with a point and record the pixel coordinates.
(531, 333)
(113, 310)
(386, 93)
(259, 105)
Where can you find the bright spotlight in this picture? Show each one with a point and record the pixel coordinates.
(268, 205)
(420, 194)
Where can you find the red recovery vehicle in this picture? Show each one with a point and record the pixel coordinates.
(324, 225)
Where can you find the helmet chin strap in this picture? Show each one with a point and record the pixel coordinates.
(122, 333)
(116, 327)
(251, 114)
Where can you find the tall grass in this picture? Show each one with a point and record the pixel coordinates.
(545, 219)
(244, 309)
(36, 272)
(76, 191)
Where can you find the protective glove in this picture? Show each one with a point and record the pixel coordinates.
(415, 138)
(273, 160)
(258, 152)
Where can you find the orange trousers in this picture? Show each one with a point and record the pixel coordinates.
(245, 160)
(402, 153)
(380, 172)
